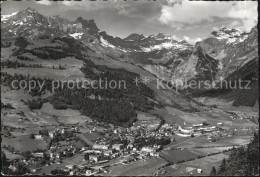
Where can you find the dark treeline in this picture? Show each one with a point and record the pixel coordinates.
(6, 44)
(7, 79)
(21, 57)
(241, 162)
(8, 105)
(71, 48)
(140, 142)
(35, 103)
(21, 167)
(16, 64)
(115, 106)
(21, 43)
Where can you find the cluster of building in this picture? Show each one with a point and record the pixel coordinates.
(195, 130)
(115, 143)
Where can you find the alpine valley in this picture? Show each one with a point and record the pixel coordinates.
(159, 130)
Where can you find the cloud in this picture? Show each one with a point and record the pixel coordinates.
(191, 40)
(44, 2)
(190, 13)
(82, 5)
(137, 9)
(215, 28)
(124, 9)
(235, 24)
(186, 38)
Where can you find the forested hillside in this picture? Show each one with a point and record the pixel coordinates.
(242, 161)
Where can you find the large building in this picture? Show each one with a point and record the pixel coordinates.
(148, 149)
(187, 130)
(100, 146)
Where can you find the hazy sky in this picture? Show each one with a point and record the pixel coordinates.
(187, 20)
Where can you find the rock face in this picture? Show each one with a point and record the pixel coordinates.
(223, 55)
(220, 55)
(228, 55)
(160, 49)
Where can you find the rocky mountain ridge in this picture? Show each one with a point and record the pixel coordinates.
(215, 58)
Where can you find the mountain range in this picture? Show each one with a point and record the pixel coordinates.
(227, 54)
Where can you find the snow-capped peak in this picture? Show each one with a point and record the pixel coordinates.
(6, 17)
(163, 36)
(231, 35)
(76, 35)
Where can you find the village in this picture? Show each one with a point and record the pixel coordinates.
(108, 146)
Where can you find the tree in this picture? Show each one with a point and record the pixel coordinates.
(4, 160)
(27, 155)
(213, 171)
(44, 132)
(86, 157)
(222, 167)
(31, 136)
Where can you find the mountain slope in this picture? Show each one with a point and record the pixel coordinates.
(223, 53)
(218, 60)
(55, 39)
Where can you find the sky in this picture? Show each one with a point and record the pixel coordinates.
(188, 20)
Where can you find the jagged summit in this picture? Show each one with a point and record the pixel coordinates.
(232, 36)
(29, 9)
(224, 33)
(134, 36)
(163, 36)
(90, 25)
(158, 36)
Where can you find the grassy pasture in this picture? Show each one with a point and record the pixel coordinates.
(205, 164)
(21, 143)
(178, 155)
(139, 168)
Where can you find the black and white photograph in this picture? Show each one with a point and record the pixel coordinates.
(129, 88)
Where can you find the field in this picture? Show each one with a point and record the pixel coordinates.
(14, 97)
(144, 116)
(205, 151)
(67, 116)
(138, 168)
(178, 155)
(212, 117)
(70, 64)
(89, 137)
(21, 143)
(11, 156)
(55, 74)
(227, 105)
(223, 141)
(206, 164)
(194, 118)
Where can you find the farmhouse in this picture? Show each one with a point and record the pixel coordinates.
(94, 158)
(107, 153)
(38, 154)
(118, 147)
(38, 137)
(100, 146)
